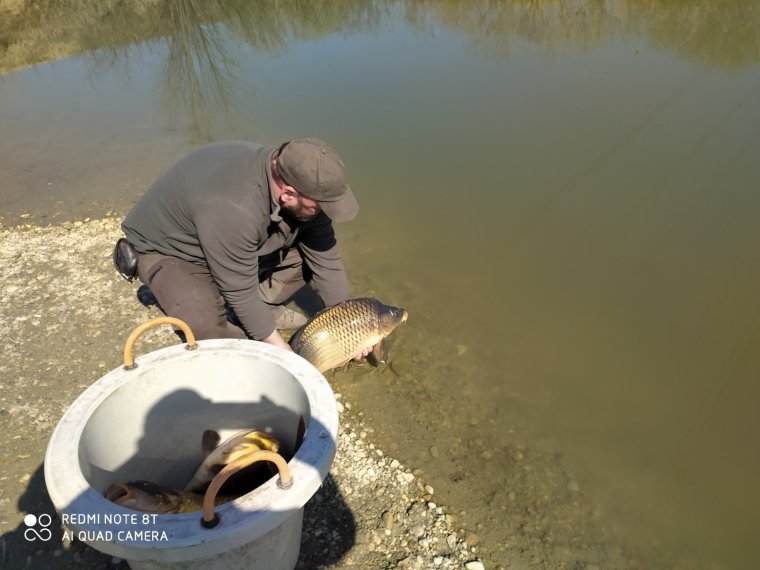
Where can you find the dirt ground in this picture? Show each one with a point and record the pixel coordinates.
(66, 314)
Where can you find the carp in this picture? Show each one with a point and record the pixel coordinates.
(217, 456)
(148, 497)
(337, 334)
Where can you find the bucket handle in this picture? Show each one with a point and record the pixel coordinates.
(129, 361)
(210, 518)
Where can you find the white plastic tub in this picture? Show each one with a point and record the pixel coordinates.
(146, 423)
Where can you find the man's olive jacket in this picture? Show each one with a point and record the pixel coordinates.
(215, 207)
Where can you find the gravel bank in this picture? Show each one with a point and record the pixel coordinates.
(65, 316)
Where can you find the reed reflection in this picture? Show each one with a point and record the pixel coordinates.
(718, 33)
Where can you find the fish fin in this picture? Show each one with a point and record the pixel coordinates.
(324, 368)
(202, 476)
(195, 484)
(209, 442)
(117, 492)
(380, 353)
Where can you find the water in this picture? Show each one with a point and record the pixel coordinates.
(563, 196)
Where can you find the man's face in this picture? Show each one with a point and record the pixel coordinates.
(294, 203)
(301, 208)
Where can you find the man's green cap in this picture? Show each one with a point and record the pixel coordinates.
(316, 171)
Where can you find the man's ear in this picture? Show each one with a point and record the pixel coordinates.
(289, 193)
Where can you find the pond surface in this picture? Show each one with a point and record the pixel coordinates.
(564, 196)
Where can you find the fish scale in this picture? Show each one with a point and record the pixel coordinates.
(336, 334)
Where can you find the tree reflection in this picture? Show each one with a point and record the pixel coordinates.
(198, 39)
(200, 70)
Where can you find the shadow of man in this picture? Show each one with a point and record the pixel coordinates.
(39, 546)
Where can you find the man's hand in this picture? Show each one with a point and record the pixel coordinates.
(277, 340)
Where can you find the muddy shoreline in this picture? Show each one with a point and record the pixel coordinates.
(66, 314)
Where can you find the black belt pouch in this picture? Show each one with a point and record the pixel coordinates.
(125, 259)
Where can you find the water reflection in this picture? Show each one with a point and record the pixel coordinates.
(720, 34)
(201, 43)
(200, 70)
